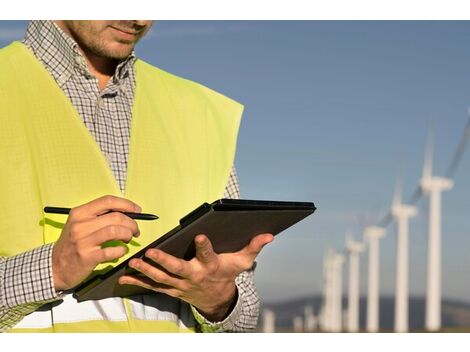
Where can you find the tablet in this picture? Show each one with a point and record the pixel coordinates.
(229, 224)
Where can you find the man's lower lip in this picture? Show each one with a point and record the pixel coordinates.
(124, 34)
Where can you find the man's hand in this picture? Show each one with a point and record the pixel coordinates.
(207, 281)
(79, 248)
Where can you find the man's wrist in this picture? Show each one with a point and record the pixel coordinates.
(227, 324)
(223, 310)
(28, 277)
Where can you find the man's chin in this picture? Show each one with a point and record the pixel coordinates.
(118, 51)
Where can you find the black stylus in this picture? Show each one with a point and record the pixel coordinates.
(136, 216)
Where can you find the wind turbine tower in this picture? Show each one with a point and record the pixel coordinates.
(402, 213)
(353, 248)
(269, 319)
(337, 296)
(433, 186)
(310, 321)
(327, 310)
(297, 323)
(372, 234)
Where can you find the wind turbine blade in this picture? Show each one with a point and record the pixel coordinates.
(459, 152)
(386, 220)
(397, 194)
(416, 195)
(427, 168)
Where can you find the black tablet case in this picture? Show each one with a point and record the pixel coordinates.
(230, 224)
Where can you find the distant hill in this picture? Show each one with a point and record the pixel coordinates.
(455, 314)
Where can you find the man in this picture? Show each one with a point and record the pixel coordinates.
(69, 94)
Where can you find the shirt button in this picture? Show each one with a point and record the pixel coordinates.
(78, 60)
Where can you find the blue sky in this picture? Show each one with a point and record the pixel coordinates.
(335, 112)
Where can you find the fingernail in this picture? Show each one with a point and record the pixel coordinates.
(151, 253)
(138, 209)
(200, 239)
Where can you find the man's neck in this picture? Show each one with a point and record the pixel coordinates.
(102, 68)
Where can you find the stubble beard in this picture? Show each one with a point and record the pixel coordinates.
(103, 49)
(99, 42)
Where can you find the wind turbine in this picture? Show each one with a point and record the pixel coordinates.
(372, 234)
(353, 248)
(309, 319)
(269, 319)
(328, 291)
(337, 295)
(298, 324)
(433, 186)
(402, 213)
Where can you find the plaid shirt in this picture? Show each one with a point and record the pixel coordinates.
(26, 279)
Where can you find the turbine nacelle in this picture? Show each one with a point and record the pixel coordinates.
(403, 211)
(400, 210)
(371, 232)
(354, 246)
(434, 183)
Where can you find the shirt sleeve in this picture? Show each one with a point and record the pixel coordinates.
(244, 315)
(26, 283)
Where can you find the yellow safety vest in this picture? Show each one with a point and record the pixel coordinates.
(182, 146)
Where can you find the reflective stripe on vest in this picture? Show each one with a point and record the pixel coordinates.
(149, 312)
(182, 147)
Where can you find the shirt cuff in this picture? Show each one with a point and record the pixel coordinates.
(28, 278)
(221, 326)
